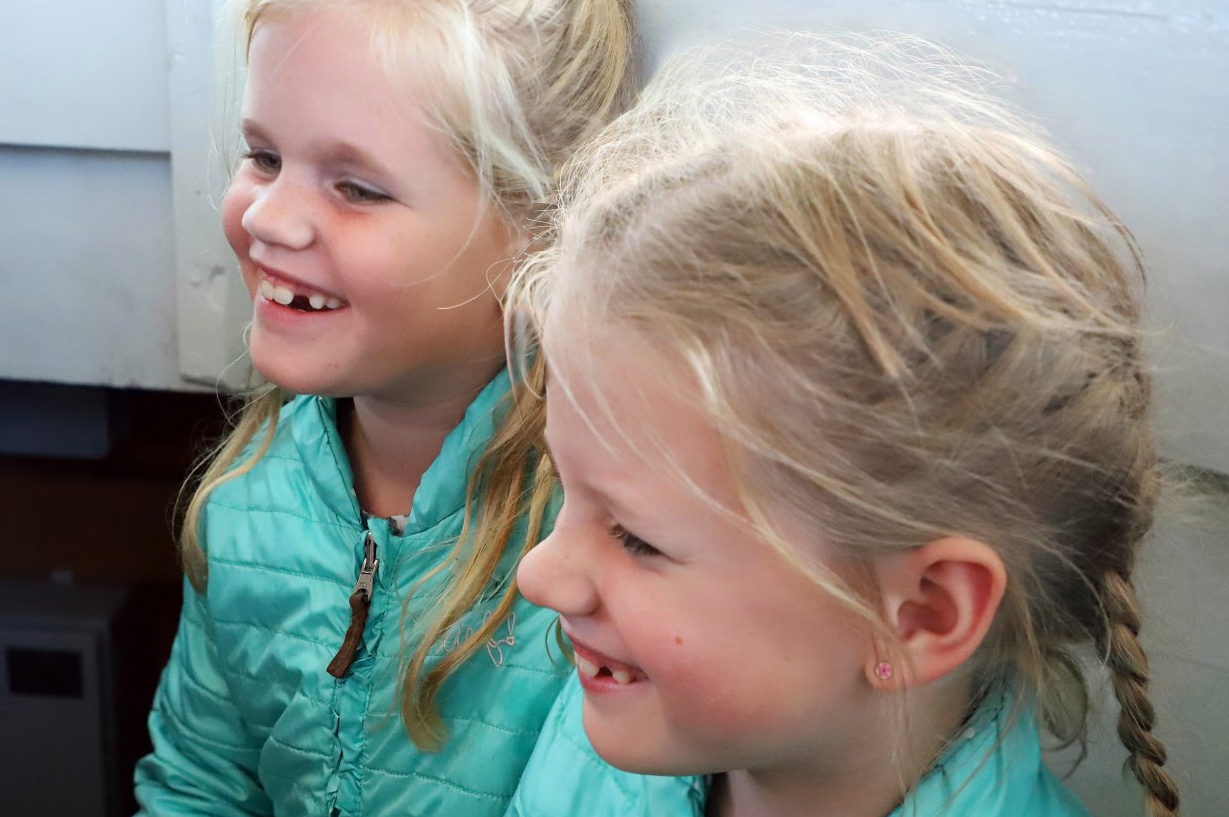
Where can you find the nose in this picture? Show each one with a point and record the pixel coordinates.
(556, 574)
(280, 215)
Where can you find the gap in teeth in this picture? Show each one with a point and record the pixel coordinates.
(592, 670)
(284, 295)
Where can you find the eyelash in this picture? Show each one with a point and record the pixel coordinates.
(358, 194)
(266, 161)
(632, 543)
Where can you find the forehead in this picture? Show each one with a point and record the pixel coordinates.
(319, 67)
(314, 40)
(618, 408)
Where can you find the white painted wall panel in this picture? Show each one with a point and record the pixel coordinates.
(204, 90)
(83, 74)
(87, 268)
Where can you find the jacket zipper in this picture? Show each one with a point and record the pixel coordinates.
(360, 604)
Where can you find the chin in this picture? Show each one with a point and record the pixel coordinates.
(639, 758)
(641, 763)
(293, 372)
(288, 379)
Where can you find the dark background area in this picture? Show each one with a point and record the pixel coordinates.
(69, 525)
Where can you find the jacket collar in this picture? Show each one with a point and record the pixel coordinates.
(992, 767)
(442, 490)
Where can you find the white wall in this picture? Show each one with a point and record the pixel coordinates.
(108, 197)
(84, 75)
(86, 257)
(87, 267)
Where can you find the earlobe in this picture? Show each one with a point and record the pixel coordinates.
(940, 599)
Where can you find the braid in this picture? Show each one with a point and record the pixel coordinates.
(1129, 668)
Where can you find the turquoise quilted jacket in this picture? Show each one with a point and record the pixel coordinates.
(248, 722)
(993, 769)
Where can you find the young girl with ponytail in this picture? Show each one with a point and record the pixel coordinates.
(847, 393)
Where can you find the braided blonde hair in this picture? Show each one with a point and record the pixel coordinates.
(909, 318)
(517, 85)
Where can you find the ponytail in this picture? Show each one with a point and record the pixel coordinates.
(1129, 675)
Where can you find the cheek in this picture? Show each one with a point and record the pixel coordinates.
(234, 204)
(708, 693)
(736, 662)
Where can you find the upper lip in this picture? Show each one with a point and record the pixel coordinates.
(292, 281)
(596, 657)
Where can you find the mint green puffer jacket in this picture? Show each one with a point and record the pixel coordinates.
(993, 769)
(247, 721)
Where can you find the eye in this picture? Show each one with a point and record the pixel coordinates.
(356, 193)
(265, 161)
(632, 543)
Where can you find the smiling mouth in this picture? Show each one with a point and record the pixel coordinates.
(621, 675)
(595, 665)
(298, 298)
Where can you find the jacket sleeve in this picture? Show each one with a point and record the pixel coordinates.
(205, 756)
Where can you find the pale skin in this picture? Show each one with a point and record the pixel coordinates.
(351, 197)
(391, 446)
(718, 656)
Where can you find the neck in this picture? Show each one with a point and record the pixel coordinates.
(867, 776)
(858, 790)
(391, 444)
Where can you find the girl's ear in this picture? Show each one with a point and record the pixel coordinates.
(940, 599)
(518, 242)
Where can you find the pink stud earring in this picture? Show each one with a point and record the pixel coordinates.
(883, 670)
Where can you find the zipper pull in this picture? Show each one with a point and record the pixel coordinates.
(360, 603)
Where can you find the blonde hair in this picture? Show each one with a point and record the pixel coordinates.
(517, 85)
(908, 318)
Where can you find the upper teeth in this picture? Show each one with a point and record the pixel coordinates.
(590, 669)
(284, 295)
(587, 667)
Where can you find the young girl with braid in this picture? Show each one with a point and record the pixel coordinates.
(846, 393)
(351, 639)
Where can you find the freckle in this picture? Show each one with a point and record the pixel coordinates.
(678, 639)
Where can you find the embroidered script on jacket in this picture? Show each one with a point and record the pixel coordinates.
(504, 637)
